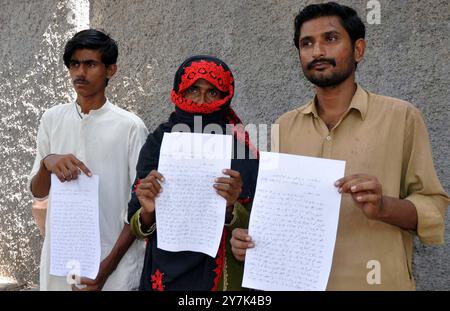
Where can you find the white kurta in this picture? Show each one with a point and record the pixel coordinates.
(108, 141)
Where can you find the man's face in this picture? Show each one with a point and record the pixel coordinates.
(326, 51)
(88, 73)
(202, 92)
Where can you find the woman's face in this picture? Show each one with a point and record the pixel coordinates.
(202, 92)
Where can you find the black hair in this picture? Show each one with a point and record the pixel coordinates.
(94, 40)
(348, 16)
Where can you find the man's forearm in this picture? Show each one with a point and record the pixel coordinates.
(401, 213)
(110, 263)
(40, 184)
(123, 243)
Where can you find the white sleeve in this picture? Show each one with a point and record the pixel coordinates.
(138, 136)
(42, 150)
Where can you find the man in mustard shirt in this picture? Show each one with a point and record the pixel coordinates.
(390, 190)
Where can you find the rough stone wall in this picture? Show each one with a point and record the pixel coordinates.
(407, 57)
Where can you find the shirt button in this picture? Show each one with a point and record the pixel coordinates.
(328, 138)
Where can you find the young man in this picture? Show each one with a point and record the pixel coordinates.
(93, 136)
(390, 189)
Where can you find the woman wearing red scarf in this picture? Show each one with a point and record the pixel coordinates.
(203, 86)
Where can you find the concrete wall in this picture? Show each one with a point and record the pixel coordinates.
(407, 57)
(32, 79)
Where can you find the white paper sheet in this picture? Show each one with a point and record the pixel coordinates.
(190, 215)
(74, 227)
(293, 223)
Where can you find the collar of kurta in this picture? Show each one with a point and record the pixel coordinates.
(106, 106)
(359, 103)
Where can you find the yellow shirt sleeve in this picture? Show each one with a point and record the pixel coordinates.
(421, 185)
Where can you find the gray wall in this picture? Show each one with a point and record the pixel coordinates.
(407, 57)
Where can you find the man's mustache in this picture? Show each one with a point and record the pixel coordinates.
(331, 61)
(82, 81)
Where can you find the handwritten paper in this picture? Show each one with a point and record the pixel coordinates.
(74, 227)
(293, 223)
(190, 215)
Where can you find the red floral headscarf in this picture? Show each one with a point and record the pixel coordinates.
(218, 74)
(202, 67)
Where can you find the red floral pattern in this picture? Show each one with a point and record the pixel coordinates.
(157, 281)
(220, 261)
(137, 184)
(210, 71)
(244, 200)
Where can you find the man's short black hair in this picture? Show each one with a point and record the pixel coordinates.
(348, 16)
(94, 40)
